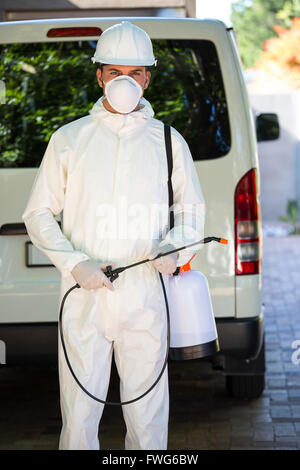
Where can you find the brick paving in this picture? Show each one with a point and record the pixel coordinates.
(202, 416)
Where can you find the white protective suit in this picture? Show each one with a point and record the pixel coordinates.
(105, 171)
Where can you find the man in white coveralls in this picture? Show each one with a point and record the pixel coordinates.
(106, 171)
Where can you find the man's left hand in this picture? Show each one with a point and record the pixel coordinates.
(165, 264)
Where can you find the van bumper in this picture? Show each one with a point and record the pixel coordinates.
(37, 343)
(240, 338)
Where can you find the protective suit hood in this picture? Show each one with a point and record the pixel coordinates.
(117, 122)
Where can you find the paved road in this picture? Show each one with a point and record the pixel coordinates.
(202, 416)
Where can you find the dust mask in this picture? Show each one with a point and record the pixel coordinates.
(123, 93)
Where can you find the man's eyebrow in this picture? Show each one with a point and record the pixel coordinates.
(113, 69)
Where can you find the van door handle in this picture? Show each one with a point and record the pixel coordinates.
(13, 229)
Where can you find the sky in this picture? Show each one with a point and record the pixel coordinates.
(219, 9)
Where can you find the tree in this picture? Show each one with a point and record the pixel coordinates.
(253, 21)
(281, 55)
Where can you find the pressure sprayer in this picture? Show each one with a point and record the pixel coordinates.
(191, 328)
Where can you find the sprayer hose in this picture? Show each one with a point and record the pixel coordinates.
(72, 371)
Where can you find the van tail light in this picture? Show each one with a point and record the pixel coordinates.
(76, 31)
(247, 226)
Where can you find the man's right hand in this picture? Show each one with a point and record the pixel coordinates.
(89, 275)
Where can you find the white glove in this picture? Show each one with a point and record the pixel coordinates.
(165, 264)
(89, 275)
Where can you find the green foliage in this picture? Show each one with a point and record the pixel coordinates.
(47, 85)
(51, 84)
(290, 9)
(253, 21)
(292, 214)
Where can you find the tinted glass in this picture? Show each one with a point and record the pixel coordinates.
(187, 92)
(48, 85)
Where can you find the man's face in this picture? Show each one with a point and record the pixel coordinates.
(109, 72)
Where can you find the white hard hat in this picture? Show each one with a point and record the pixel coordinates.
(124, 44)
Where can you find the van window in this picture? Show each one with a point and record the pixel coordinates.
(187, 92)
(48, 85)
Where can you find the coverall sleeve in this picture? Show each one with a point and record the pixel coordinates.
(189, 204)
(46, 201)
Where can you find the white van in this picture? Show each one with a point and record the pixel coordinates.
(198, 88)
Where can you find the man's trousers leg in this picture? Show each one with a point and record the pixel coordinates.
(90, 355)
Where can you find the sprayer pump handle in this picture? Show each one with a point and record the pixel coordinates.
(111, 274)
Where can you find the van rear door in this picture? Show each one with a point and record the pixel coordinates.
(49, 80)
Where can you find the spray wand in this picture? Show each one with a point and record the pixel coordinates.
(113, 274)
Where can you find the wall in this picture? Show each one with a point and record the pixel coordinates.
(279, 159)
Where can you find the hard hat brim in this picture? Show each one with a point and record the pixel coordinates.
(103, 60)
